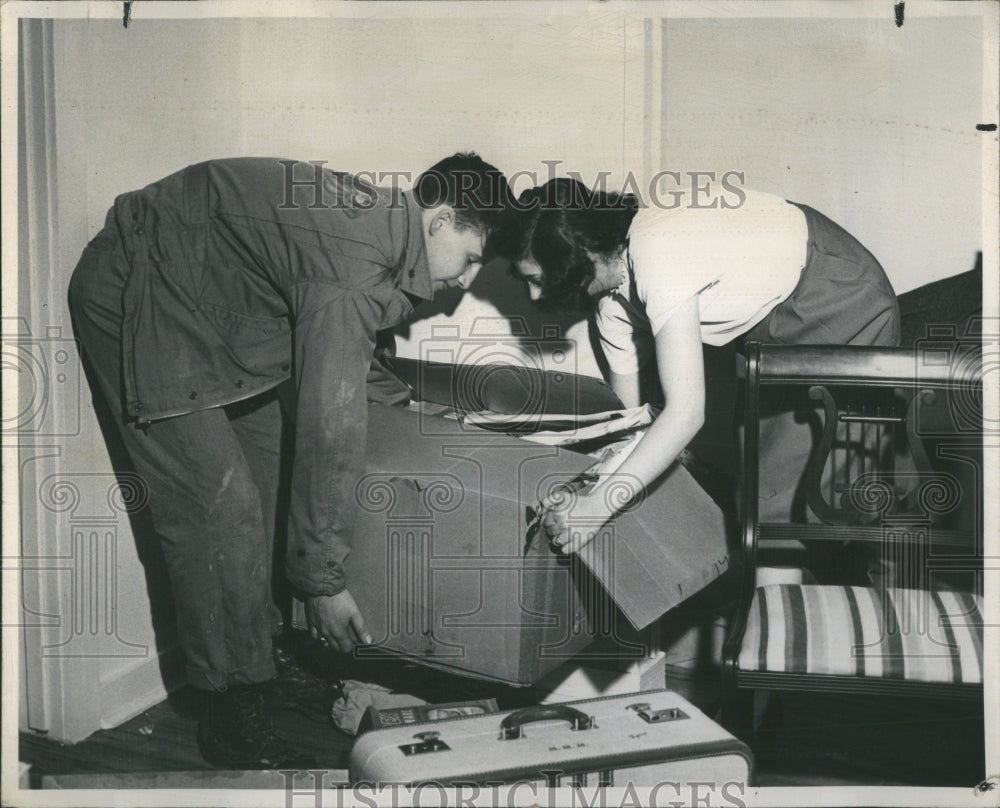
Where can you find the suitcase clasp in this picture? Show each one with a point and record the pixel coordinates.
(428, 742)
(657, 716)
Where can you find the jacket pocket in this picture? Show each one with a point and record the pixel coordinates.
(261, 346)
(235, 322)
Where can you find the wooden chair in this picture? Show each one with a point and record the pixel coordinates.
(871, 479)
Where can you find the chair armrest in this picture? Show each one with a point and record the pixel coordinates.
(878, 535)
(922, 366)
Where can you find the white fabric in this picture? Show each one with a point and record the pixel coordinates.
(349, 709)
(741, 262)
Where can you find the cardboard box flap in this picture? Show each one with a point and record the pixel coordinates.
(661, 551)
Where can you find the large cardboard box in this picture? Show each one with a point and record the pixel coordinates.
(440, 566)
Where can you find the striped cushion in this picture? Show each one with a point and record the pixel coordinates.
(855, 631)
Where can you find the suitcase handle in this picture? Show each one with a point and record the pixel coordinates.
(510, 727)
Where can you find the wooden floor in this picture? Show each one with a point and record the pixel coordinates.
(162, 739)
(805, 740)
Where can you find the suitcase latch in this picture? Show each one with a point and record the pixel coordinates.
(651, 716)
(427, 742)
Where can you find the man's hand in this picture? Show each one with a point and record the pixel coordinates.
(335, 620)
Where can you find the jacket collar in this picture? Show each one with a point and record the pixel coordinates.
(414, 275)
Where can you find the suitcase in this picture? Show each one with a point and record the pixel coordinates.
(644, 740)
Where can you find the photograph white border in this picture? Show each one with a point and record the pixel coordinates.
(146, 10)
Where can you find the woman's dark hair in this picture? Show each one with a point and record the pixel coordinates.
(561, 224)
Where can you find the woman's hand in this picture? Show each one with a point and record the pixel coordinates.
(572, 521)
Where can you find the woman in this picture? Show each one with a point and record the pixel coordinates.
(659, 283)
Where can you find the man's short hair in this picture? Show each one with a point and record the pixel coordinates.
(476, 190)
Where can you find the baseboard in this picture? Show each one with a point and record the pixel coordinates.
(304, 782)
(131, 689)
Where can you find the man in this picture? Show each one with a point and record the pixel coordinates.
(204, 292)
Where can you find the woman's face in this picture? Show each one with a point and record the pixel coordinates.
(530, 272)
(609, 274)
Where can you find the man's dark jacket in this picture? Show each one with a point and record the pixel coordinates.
(248, 271)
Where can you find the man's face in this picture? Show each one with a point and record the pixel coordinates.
(454, 254)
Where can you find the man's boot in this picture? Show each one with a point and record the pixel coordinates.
(296, 686)
(236, 733)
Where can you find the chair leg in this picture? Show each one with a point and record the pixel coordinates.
(738, 711)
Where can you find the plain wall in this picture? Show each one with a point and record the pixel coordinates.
(870, 123)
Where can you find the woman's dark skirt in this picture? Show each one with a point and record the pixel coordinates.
(843, 297)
